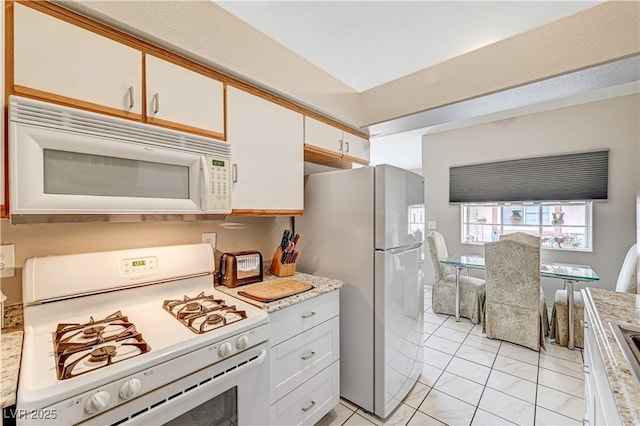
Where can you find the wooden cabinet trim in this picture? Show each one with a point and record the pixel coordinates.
(314, 154)
(74, 103)
(257, 212)
(8, 83)
(185, 128)
(355, 160)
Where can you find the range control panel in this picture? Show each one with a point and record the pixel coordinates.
(138, 266)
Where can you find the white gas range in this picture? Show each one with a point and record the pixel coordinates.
(139, 337)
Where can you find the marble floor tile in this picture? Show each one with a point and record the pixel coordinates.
(421, 419)
(464, 325)
(450, 334)
(461, 388)
(481, 342)
(476, 355)
(433, 318)
(483, 418)
(507, 407)
(563, 353)
(436, 358)
(429, 328)
(546, 417)
(443, 345)
(519, 352)
(559, 365)
(512, 385)
(447, 409)
(469, 370)
(560, 402)
(335, 417)
(399, 416)
(417, 394)
(561, 382)
(477, 330)
(430, 375)
(357, 420)
(516, 368)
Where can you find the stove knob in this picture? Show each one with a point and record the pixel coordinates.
(225, 349)
(242, 342)
(130, 388)
(97, 402)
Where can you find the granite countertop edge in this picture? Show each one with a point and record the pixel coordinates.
(610, 306)
(321, 285)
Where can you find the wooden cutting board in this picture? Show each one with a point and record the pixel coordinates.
(273, 290)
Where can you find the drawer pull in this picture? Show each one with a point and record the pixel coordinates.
(309, 407)
(309, 315)
(585, 369)
(310, 355)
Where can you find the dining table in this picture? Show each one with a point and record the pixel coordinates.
(568, 272)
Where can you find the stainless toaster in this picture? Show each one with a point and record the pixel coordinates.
(239, 268)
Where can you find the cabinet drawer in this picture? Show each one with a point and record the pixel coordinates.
(300, 317)
(298, 359)
(311, 401)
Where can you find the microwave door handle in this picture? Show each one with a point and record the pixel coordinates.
(204, 178)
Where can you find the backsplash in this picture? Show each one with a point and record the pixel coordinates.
(233, 234)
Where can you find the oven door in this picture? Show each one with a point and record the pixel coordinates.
(231, 392)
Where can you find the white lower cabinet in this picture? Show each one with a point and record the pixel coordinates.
(600, 405)
(305, 360)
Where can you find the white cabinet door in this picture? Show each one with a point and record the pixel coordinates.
(356, 149)
(266, 155)
(322, 135)
(64, 60)
(183, 99)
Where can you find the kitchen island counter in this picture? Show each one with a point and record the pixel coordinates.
(11, 343)
(624, 309)
(320, 285)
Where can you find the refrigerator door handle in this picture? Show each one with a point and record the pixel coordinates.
(402, 249)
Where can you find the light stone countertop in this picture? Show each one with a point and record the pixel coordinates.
(320, 285)
(11, 351)
(621, 308)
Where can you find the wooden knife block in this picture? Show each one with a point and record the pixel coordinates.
(280, 269)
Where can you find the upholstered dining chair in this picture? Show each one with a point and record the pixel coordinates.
(514, 309)
(521, 236)
(444, 287)
(627, 283)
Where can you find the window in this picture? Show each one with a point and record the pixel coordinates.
(561, 226)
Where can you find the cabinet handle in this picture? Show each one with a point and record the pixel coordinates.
(346, 144)
(309, 315)
(584, 324)
(586, 369)
(310, 355)
(156, 103)
(341, 145)
(131, 100)
(234, 173)
(309, 407)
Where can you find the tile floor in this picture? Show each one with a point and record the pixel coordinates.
(468, 379)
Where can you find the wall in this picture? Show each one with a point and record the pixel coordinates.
(596, 35)
(612, 123)
(233, 234)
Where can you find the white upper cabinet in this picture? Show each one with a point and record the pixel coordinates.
(355, 148)
(324, 139)
(64, 60)
(184, 99)
(266, 155)
(322, 135)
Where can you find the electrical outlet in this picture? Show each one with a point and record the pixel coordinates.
(431, 224)
(7, 260)
(210, 237)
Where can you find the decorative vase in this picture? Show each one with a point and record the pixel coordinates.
(516, 219)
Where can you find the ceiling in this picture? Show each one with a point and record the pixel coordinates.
(368, 43)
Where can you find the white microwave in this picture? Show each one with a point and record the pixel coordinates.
(67, 161)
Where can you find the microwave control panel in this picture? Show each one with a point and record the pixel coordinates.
(219, 199)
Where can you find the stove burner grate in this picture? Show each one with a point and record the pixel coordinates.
(203, 313)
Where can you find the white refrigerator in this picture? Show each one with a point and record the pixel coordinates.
(357, 227)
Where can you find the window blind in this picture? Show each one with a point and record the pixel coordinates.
(565, 177)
